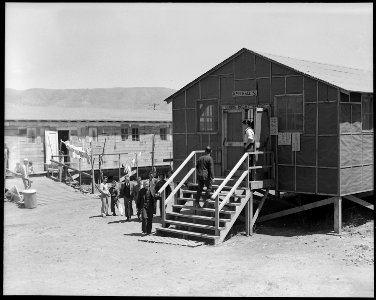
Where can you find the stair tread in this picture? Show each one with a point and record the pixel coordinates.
(203, 226)
(197, 217)
(188, 233)
(211, 201)
(203, 209)
(221, 194)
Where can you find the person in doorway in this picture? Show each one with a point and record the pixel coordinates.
(105, 194)
(25, 174)
(114, 192)
(159, 184)
(249, 141)
(128, 195)
(136, 190)
(204, 175)
(147, 204)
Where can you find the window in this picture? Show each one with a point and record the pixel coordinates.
(290, 112)
(22, 131)
(207, 116)
(163, 133)
(31, 135)
(93, 133)
(124, 134)
(135, 134)
(367, 112)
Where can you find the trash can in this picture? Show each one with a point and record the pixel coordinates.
(30, 198)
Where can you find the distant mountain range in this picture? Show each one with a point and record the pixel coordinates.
(134, 103)
(135, 98)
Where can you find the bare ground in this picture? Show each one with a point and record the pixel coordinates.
(64, 248)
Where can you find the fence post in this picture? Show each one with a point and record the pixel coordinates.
(79, 166)
(163, 211)
(247, 177)
(216, 217)
(92, 169)
(119, 168)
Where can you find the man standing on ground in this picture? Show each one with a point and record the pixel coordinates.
(204, 175)
(25, 174)
(152, 184)
(128, 194)
(114, 192)
(136, 190)
(147, 204)
(105, 194)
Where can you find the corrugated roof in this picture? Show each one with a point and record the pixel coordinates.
(351, 79)
(84, 114)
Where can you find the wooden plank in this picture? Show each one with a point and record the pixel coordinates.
(338, 215)
(296, 209)
(259, 208)
(359, 201)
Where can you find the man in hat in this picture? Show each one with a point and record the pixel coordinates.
(249, 140)
(158, 196)
(147, 203)
(204, 175)
(127, 193)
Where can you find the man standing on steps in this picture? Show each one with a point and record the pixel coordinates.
(249, 142)
(204, 175)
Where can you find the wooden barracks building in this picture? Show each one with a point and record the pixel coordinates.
(315, 120)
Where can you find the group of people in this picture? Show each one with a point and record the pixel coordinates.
(144, 193)
(25, 170)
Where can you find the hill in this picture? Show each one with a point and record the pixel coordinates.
(135, 98)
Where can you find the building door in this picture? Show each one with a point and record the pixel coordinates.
(51, 145)
(63, 135)
(233, 147)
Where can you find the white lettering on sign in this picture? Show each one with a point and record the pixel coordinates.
(295, 141)
(239, 106)
(284, 138)
(244, 93)
(273, 126)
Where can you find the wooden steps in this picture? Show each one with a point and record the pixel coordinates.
(208, 238)
(197, 225)
(203, 209)
(195, 217)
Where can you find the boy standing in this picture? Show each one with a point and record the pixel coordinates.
(114, 192)
(105, 194)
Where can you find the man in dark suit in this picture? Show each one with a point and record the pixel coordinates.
(147, 204)
(127, 193)
(204, 175)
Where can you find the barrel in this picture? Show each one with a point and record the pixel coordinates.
(30, 198)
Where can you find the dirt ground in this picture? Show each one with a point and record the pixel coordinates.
(64, 248)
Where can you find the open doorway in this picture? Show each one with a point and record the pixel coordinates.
(63, 135)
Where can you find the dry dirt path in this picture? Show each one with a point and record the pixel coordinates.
(63, 247)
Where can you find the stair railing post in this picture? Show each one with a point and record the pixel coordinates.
(216, 217)
(247, 177)
(163, 211)
(194, 166)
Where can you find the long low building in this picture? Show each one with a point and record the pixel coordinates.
(37, 135)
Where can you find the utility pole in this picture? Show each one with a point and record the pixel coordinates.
(152, 151)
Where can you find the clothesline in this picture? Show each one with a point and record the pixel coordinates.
(78, 152)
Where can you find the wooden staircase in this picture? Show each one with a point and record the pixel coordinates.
(214, 219)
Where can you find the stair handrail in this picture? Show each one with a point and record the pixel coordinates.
(176, 189)
(229, 176)
(231, 192)
(179, 169)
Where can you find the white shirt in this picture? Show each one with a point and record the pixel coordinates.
(249, 135)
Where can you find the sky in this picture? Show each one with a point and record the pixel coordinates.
(104, 45)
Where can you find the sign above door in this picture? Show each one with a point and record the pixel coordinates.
(244, 93)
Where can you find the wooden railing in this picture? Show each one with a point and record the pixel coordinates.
(162, 190)
(244, 175)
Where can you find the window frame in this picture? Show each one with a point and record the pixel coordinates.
(287, 114)
(30, 138)
(213, 119)
(124, 136)
(136, 136)
(163, 133)
(367, 111)
(95, 129)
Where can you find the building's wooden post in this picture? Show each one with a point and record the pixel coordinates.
(249, 215)
(152, 151)
(163, 211)
(338, 215)
(216, 216)
(194, 166)
(92, 168)
(136, 166)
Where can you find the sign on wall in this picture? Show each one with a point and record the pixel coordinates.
(244, 93)
(284, 138)
(273, 126)
(295, 141)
